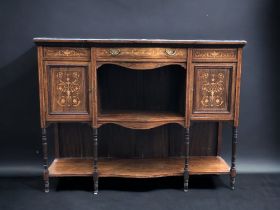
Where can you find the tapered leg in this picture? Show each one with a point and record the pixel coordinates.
(233, 158)
(187, 151)
(95, 155)
(45, 159)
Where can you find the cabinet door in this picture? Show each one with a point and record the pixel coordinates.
(67, 97)
(213, 91)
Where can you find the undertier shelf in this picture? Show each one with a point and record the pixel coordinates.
(138, 168)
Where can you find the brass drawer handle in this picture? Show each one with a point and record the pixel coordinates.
(114, 51)
(170, 52)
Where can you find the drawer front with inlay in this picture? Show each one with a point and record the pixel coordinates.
(66, 53)
(208, 54)
(141, 53)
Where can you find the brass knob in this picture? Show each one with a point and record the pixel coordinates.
(114, 51)
(170, 52)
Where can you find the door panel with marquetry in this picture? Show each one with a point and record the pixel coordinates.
(67, 97)
(213, 91)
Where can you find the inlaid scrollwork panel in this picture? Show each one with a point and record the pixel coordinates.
(67, 90)
(130, 53)
(66, 52)
(212, 89)
(214, 54)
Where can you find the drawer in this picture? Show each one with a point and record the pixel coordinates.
(214, 54)
(56, 53)
(141, 53)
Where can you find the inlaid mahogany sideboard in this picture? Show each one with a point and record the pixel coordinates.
(138, 108)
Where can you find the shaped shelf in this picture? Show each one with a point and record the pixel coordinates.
(138, 168)
(140, 119)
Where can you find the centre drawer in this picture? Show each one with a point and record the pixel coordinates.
(132, 53)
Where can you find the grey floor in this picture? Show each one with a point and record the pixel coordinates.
(254, 191)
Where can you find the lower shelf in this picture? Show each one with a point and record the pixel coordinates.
(138, 168)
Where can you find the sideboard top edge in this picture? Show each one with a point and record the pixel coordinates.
(39, 40)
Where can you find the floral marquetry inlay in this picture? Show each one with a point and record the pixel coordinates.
(128, 53)
(68, 88)
(214, 54)
(66, 52)
(212, 91)
(212, 88)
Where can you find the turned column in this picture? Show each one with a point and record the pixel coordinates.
(45, 159)
(233, 158)
(95, 155)
(187, 151)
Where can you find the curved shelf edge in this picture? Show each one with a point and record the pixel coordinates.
(141, 125)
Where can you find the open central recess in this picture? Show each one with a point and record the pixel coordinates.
(154, 91)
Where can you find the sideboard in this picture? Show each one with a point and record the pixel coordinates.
(158, 105)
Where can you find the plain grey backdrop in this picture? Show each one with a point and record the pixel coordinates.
(256, 21)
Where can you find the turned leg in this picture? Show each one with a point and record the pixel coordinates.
(233, 158)
(95, 168)
(45, 159)
(187, 151)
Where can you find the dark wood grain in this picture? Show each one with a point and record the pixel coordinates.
(119, 142)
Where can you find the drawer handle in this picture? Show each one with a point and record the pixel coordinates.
(114, 51)
(170, 52)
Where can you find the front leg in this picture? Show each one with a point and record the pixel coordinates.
(95, 155)
(187, 151)
(45, 159)
(233, 158)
